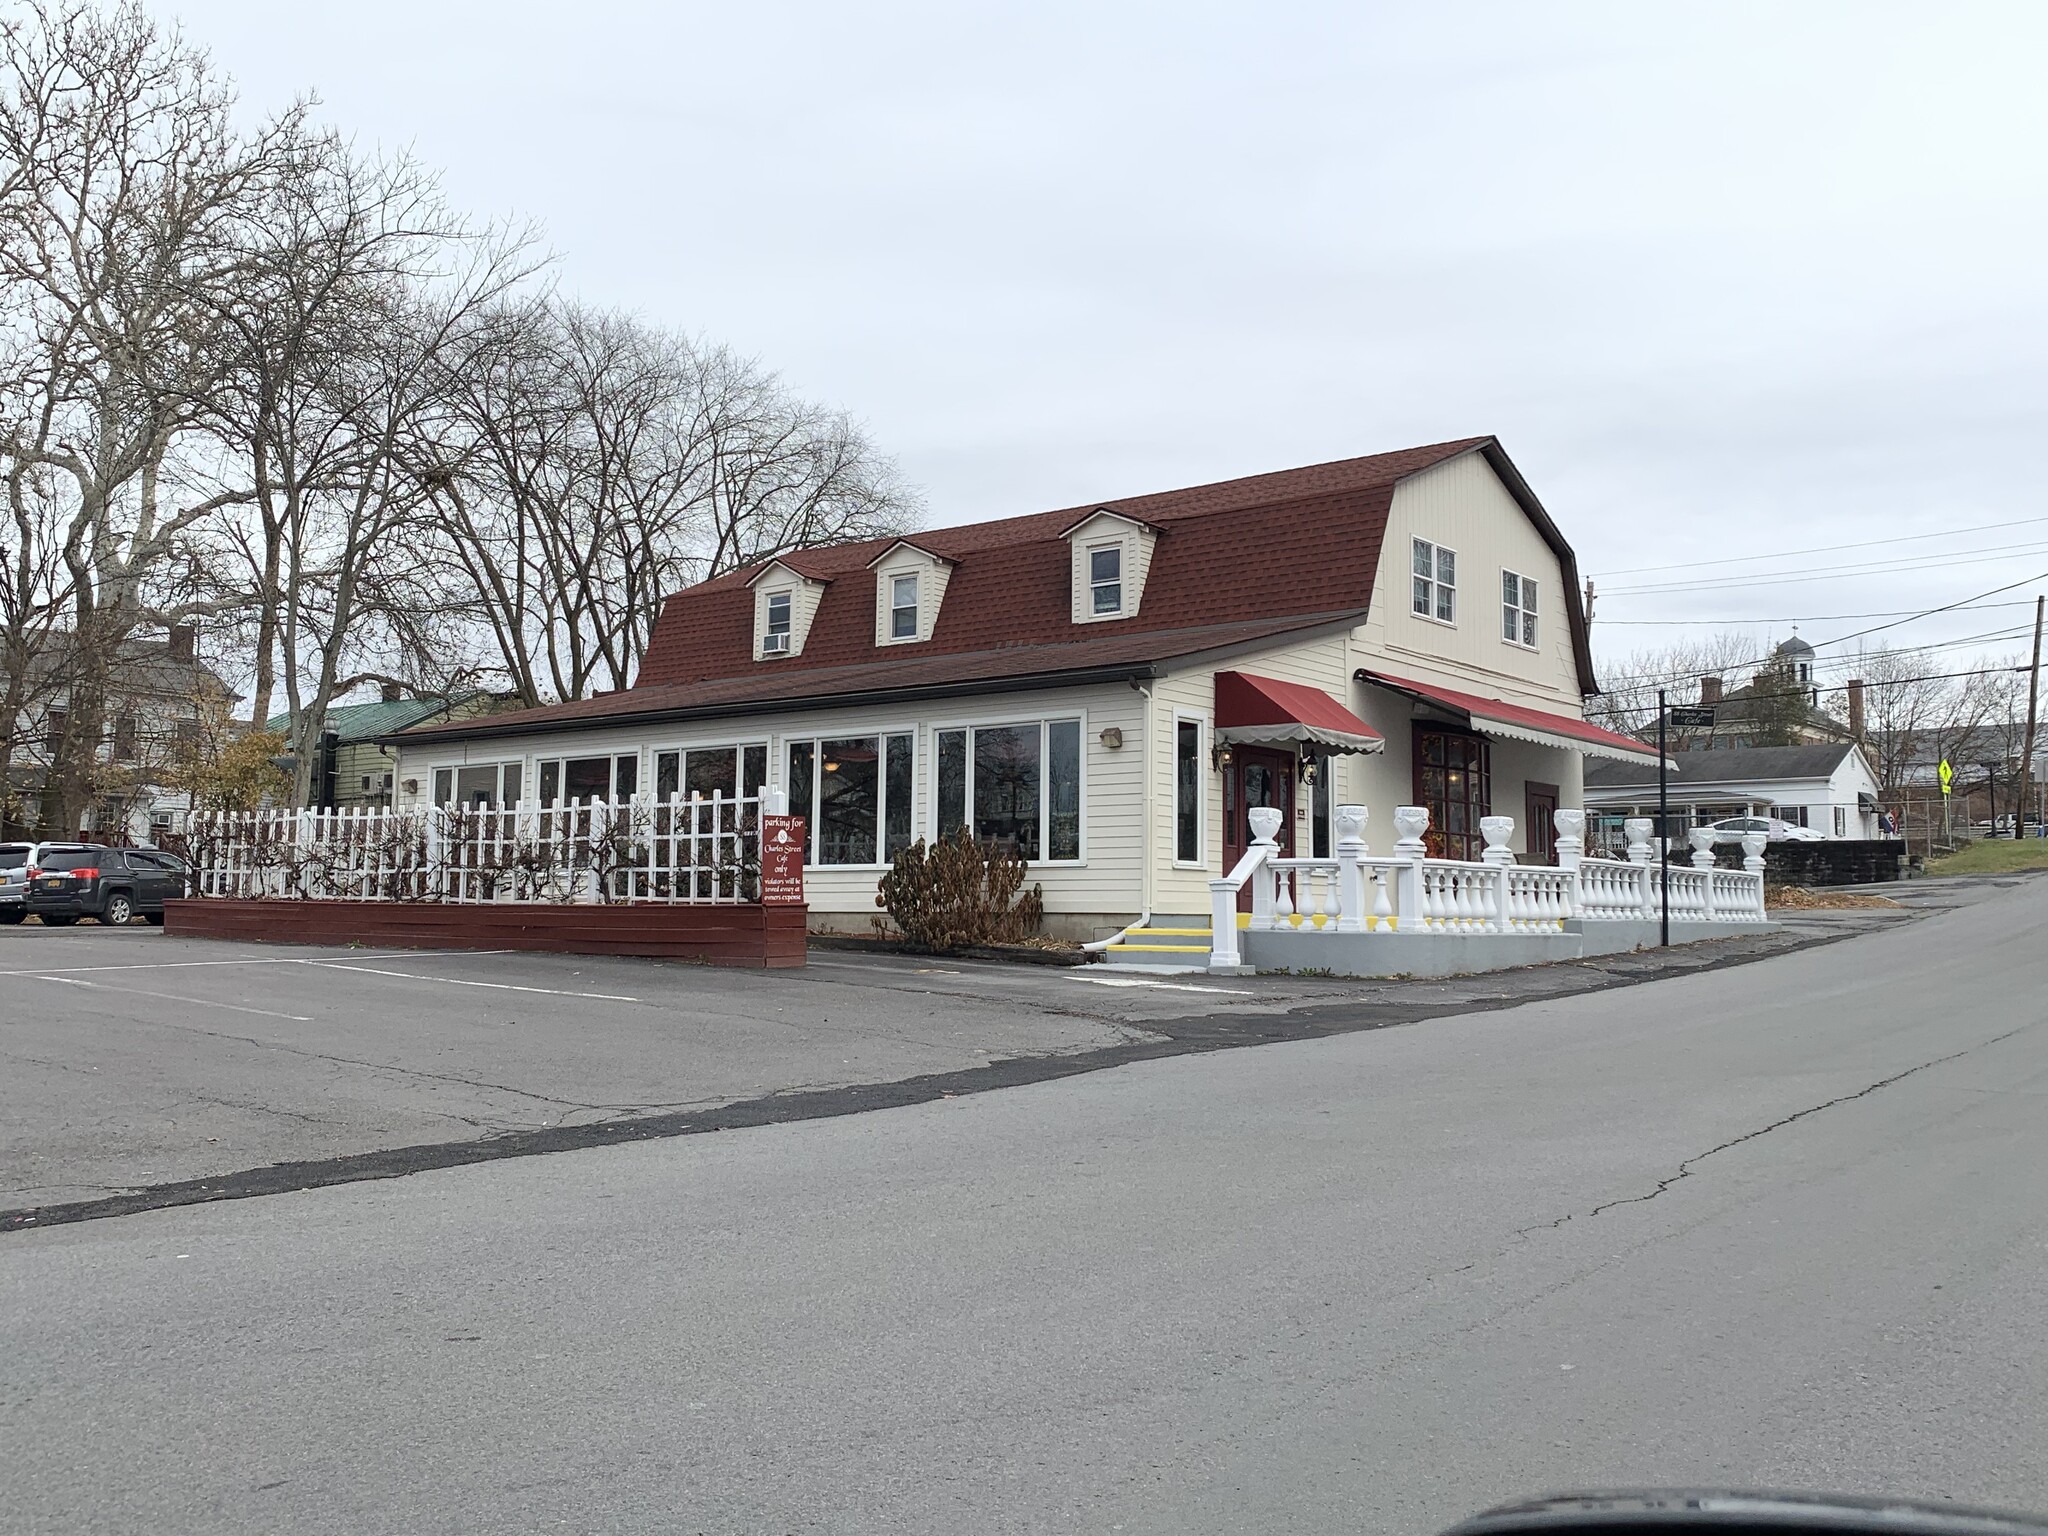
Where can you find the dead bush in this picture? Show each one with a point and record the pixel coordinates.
(958, 893)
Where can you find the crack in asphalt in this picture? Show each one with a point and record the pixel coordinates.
(1685, 1169)
(1185, 1036)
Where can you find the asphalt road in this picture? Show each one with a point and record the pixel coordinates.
(1777, 1224)
(137, 1068)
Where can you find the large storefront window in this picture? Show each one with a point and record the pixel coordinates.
(1453, 778)
(480, 784)
(575, 779)
(856, 791)
(705, 772)
(1016, 784)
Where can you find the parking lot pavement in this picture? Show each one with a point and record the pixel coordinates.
(185, 1068)
(129, 1059)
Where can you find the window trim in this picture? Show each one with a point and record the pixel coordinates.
(769, 598)
(1203, 738)
(528, 782)
(653, 751)
(1114, 546)
(891, 607)
(778, 777)
(1524, 585)
(1437, 586)
(1041, 719)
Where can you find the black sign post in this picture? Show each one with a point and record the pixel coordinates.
(1664, 826)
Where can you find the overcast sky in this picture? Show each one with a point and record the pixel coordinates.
(1725, 279)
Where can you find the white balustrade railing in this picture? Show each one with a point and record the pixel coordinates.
(695, 850)
(1356, 891)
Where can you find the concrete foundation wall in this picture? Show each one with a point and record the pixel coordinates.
(1414, 954)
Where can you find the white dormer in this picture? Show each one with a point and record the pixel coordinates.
(1112, 554)
(910, 583)
(785, 602)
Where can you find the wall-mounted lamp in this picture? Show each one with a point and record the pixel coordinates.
(412, 786)
(1113, 737)
(1219, 756)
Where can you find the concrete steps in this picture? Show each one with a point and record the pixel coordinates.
(1161, 948)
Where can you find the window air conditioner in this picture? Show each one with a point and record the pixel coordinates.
(775, 645)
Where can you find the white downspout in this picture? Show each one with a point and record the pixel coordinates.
(1144, 828)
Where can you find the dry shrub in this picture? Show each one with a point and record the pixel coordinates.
(959, 893)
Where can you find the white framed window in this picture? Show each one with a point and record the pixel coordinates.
(573, 780)
(478, 784)
(1435, 570)
(1517, 609)
(731, 769)
(1841, 821)
(1106, 580)
(1015, 782)
(775, 630)
(1190, 785)
(856, 792)
(903, 607)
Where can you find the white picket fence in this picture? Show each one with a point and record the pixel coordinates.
(1355, 891)
(696, 850)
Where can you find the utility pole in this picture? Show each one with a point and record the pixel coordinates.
(1663, 828)
(2019, 822)
(1589, 600)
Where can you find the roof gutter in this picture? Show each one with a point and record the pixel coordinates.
(479, 727)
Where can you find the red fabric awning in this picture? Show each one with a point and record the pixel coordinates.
(1264, 709)
(1497, 717)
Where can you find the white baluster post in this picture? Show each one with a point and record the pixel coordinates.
(1265, 824)
(1351, 914)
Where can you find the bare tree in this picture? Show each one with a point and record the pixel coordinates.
(608, 465)
(123, 179)
(1627, 701)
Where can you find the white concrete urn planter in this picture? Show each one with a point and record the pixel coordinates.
(1410, 822)
(1637, 830)
(1753, 851)
(1265, 820)
(1497, 830)
(1571, 837)
(1702, 839)
(1351, 825)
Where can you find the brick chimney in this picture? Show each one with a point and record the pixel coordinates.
(182, 643)
(1710, 690)
(391, 693)
(1856, 708)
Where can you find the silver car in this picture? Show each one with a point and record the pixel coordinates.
(14, 881)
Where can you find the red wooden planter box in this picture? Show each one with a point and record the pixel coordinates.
(760, 937)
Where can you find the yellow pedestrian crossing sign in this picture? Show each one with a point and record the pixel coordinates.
(1948, 777)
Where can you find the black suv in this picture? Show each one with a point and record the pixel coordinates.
(67, 881)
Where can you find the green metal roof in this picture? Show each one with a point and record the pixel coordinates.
(366, 722)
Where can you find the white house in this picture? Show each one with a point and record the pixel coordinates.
(1112, 687)
(1827, 786)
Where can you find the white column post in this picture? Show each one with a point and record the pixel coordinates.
(1265, 825)
(1410, 822)
(1571, 848)
(1351, 913)
(1223, 927)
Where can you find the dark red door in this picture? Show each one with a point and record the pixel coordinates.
(1256, 776)
(1540, 830)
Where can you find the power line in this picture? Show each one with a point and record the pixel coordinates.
(1858, 634)
(1807, 690)
(1894, 566)
(1819, 549)
(1802, 618)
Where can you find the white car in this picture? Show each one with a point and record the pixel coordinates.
(1774, 830)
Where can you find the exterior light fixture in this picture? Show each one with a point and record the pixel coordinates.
(1219, 756)
(1113, 737)
(1308, 770)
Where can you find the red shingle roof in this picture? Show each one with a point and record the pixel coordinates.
(1236, 561)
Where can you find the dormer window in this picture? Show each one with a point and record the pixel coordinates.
(903, 607)
(1111, 555)
(775, 637)
(1106, 580)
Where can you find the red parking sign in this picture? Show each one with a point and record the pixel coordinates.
(782, 861)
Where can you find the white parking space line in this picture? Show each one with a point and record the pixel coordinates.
(457, 981)
(169, 997)
(1164, 986)
(49, 971)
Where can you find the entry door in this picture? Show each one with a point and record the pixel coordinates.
(1257, 776)
(1541, 827)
